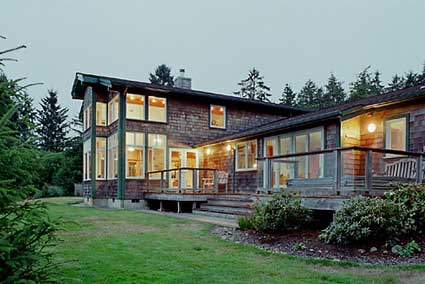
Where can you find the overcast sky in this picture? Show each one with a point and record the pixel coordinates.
(217, 42)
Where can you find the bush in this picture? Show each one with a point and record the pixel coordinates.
(245, 222)
(362, 218)
(411, 196)
(280, 214)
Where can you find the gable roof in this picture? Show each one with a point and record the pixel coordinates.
(82, 80)
(327, 114)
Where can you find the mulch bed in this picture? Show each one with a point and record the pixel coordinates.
(314, 248)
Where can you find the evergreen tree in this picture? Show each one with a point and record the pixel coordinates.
(377, 86)
(310, 95)
(52, 124)
(397, 83)
(363, 86)
(288, 96)
(334, 92)
(162, 76)
(26, 117)
(254, 87)
(411, 79)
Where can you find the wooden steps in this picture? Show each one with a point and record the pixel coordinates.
(226, 206)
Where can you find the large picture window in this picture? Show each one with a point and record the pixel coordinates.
(100, 158)
(246, 154)
(135, 106)
(396, 134)
(218, 116)
(101, 114)
(86, 159)
(135, 154)
(157, 109)
(156, 153)
(113, 156)
(113, 107)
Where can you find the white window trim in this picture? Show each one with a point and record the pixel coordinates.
(143, 147)
(111, 106)
(387, 132)
(293, 148)
(105, 153)
(165, 110)
(144, 107)
(86, 171)
(148, 147)
(106, 113)
(245, 143)
(107, 157)
(224, 116)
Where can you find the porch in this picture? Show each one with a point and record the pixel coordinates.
(340, 172)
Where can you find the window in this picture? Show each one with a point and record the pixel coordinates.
(217, 116)
(156, 153)
(86, 159)
(246, 153)
(135, 106)
(113, 106)
(101, 114)
(135, 154)
(113, 156)
(100, 158)
(396, 134)
(86, 118)
(157, 109)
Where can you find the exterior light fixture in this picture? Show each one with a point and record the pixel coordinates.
(208, 151)
(371, 127)
(131, 149)
(228, 147)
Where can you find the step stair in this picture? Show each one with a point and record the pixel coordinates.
(226, 206)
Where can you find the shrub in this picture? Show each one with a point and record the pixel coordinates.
(245, 222)
(411, 196)
(363, 218)
(280, 214)
(409, 249)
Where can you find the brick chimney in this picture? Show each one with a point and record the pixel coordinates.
(183, 82)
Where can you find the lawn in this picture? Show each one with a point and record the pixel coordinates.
(122, 246)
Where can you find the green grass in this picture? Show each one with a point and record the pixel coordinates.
(122, 246)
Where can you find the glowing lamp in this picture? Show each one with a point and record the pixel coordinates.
(228, 147)
(371, 127)
(208, 151)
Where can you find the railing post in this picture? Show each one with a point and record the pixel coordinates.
(180, 179)
(368, 170)
(215, 180)
(161, 186)
(147, 181)
(338, 170)
(419, 169)
(194, 179)
(269, 174)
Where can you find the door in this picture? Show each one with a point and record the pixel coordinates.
(183, 158)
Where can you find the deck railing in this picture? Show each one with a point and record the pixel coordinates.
(340, 171)
(183, 179)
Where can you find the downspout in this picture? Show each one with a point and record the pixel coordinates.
(121, 148)
(93, 145)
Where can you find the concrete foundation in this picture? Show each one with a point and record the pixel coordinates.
(117, 203)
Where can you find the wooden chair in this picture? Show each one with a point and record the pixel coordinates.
(207, 182)
(402, 168)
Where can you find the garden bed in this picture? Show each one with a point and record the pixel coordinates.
(290, 243)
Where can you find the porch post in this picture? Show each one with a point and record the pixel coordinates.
(368, 170)
(194, 179)
(180, 179)
(419, 169)
(93, 144)
(338, 170)
(121, 148)
(215, 180)
(161, 187)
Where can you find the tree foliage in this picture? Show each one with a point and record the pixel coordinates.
(52, 124)
(366, 85)
(253, 87)
(288, 96)
(334, 93)
(162, 76)
(310, 96)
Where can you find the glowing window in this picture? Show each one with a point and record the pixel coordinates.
(217, 116)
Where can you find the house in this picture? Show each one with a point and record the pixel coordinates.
(191, 150)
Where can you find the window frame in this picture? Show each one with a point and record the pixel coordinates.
(105, 162)
(148, 148)
(245, 144)
(111, 109)
(144, 106)
(143, 147)
(110, 147)
(224, 117)
(87, 118)
(148, 112)
(86, 159)
(106, 113)
(387, 121)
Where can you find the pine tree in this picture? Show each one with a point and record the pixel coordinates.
(52, 124)
(26, 117)
(397, 83)
(411, 79)
(162, 76)
(310, 95)
(377, 86)
(288, 96)
(334, 92)
(363, 86)
(254, 87)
